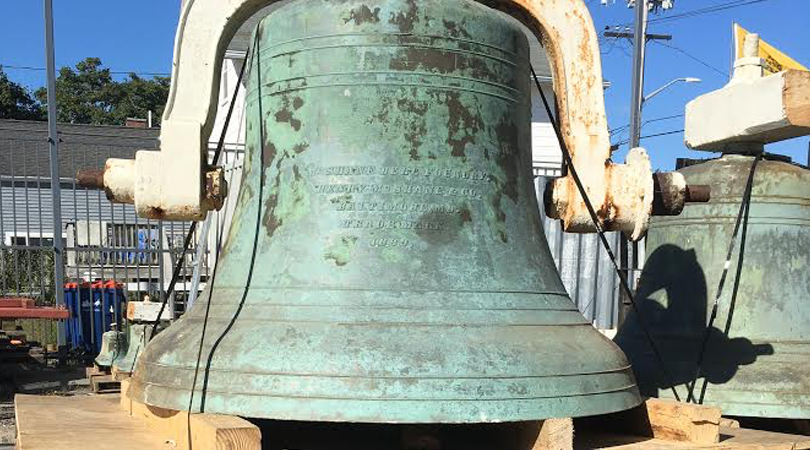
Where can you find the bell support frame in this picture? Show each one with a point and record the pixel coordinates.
(174, 183)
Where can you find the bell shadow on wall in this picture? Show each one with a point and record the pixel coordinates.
(673, 303)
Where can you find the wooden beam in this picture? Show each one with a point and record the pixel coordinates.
(676, 421)
(208, 431)
(797, 97)
(549, 434)
(729, 423)
(555, 434)
(81, 422)
(662, 419)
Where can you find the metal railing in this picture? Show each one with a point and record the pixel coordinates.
(103, 241)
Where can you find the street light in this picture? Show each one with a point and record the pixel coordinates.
(635, 120)
(676, 80)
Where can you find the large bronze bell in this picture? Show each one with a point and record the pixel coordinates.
(401, 272)
(756, 360)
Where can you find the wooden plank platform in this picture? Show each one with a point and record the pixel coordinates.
(79, 423)
(661, 419)
(209, 431)
(730, 439)
(105, 384)
(110, 422)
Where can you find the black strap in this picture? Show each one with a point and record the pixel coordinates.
(601, 232)
(742, 219)
(193, 227)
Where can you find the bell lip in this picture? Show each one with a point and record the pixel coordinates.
(567, 407)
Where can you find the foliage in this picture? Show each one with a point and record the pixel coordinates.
(83, 96)
(138, 96)
(27, 273)
(16, 102)
(88, 94)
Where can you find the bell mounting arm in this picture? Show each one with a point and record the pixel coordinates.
(621, 194)
(176, 183)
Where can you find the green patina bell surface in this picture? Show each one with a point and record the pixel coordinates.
(137, 337)
(761, 366)
(402, 275)
(113, 348)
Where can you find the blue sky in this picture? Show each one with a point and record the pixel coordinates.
(139, 36)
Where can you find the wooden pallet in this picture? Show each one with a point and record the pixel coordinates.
(95, 371)
(111, 422)
(106, 384)
(210, 431)
(80, 422)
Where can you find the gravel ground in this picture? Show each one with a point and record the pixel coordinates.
(8, 428)
(34, 377)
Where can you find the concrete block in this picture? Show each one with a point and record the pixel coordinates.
(757, 111)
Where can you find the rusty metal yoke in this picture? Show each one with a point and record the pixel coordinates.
(175, 183)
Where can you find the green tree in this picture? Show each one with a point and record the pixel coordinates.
(84, 95)
(90, 95)
(16, 102)
(137, 96)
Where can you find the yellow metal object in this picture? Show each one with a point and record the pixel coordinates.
(775, 60)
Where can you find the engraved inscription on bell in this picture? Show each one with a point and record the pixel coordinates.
(402, 274)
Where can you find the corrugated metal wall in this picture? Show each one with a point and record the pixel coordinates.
(585, 268)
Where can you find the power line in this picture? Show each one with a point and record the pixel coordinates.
(665, 133)
(694, 58)
(657, 119)
(699, 12)
(113, 72)
(707, 10)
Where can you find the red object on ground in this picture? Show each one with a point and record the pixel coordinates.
(25, 308)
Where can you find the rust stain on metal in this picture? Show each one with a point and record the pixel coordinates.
(156, 212)
(341, 253)
(286, 115)
(430, 60)
(268, 152)
(363, 14)
(271, 221)
(551, 39)
(416, 128)
(698, 193)
(406, 20)
(500, 216)
(465, 214)
(455, 29)
(442, 62)
(301, 148)
(508, 137)
(671, 193)
(461, 122)
(216, 189)
(90, 178)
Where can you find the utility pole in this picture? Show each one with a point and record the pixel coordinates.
(639, 53)
(56, 194)
(640, 37)
(639, 49)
